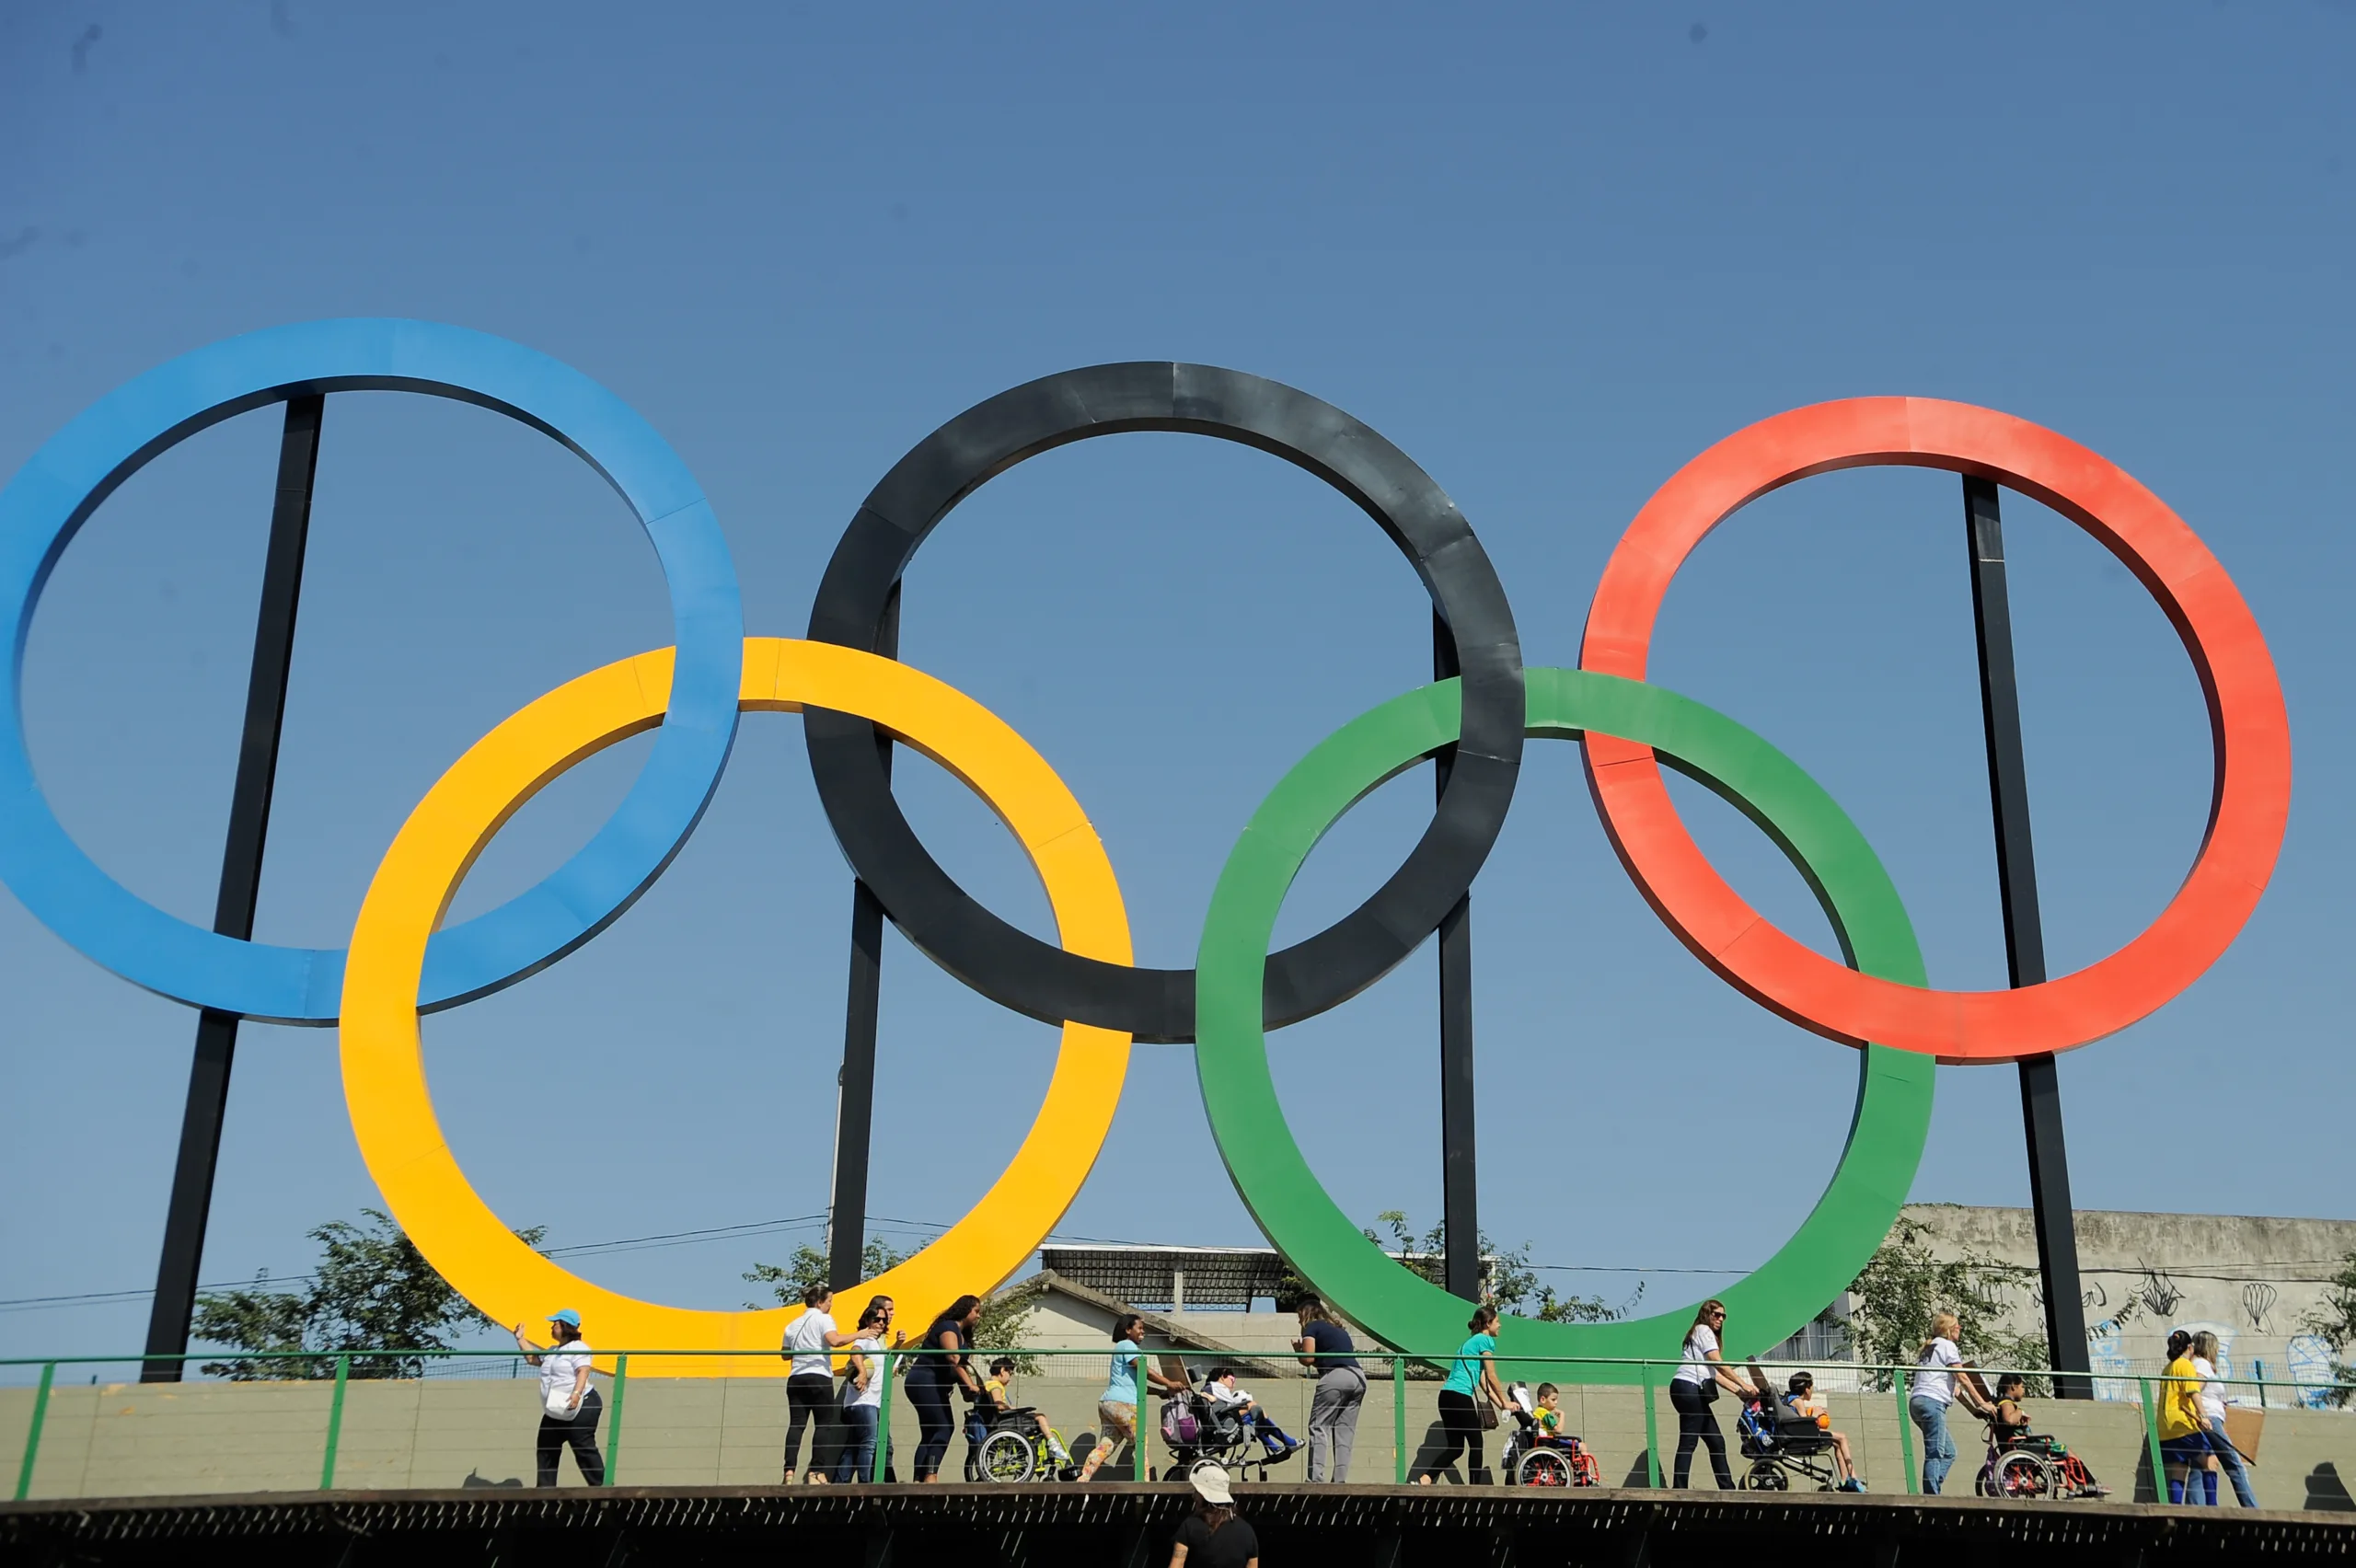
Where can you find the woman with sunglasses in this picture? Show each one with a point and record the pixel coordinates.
(1699, 1377)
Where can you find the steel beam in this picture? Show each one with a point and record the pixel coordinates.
(233, 911)
(2049, 1161)
(1459, 1171)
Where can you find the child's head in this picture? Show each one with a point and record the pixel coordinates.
(1801, 1385)
(1549, 1395)
(1002, 1368)
(1223, 1375)
(2011, 1386)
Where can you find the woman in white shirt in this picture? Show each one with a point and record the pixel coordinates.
(810, 1382)
(1699, 1379)
(862, 1395)
(2205, 1353)
(569, 1406)
(1936, 1387)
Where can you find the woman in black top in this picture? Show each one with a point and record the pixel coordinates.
(1212, 1536)
(932, 1377)
(1326, 1349)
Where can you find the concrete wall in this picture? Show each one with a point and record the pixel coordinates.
(129, 1439)
(2251, 1281)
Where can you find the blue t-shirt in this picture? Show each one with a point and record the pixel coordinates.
(1464, 1377)
(1123, 1387)
(1330, 1345)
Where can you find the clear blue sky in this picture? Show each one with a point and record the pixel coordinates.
(1551, 252)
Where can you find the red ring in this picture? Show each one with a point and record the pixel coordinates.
(2251, 730)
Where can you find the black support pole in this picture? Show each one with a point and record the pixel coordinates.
(233, 911)
(1460, 1172)
(2049, 1161)
(855, 1084)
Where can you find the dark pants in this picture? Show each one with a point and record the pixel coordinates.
(935, 1425)
(1695, 1423)
(977, 1432)
(856, 1460)
(809, 1398)
(581, 1432)
(1461, 1420)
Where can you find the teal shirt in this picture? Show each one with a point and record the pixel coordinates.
(1464, 1377)
(1122, 1388)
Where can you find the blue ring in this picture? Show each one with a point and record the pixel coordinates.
(55, 493)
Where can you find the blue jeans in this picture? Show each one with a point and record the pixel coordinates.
(856, 1460)
(1938, 1448)
(2230, 1460)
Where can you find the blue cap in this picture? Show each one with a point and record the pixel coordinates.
(568, 1317)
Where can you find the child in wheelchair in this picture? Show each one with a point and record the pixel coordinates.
(1539, 1453)
(1231, 1404)
(1781, 1442)
(2022, 1463)
(1802, 1397)
(1018, 1443)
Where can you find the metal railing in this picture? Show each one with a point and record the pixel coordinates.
(1879, 1419)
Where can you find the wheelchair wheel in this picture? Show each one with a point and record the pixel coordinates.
(2023, 1475)
(1542, 1466)
(1006, 1457)
(1766, 1476)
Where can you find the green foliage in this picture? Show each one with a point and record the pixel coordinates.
(373, 1290)
(1509, 1280)
(1006, 1316)
(1904, 1285)
(2334, 1319)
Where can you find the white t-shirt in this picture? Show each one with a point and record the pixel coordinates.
(805, 1335)
(871, 1396)
(1220, 1394)
(1931, 1379)
(557, 1370)
(2213, 1398)
(1700, 1341)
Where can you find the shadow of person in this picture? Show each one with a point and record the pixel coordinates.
(2326, 1492)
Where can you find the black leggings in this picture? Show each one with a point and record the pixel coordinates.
(810, 1397)
(1461, 1418)
(1695, 1421)
(935, 1423)
(581, 1432)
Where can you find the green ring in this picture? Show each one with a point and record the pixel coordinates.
(1887, 1131)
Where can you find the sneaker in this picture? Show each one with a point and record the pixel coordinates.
(1851, 1484)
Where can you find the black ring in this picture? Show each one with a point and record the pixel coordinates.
(854, 609)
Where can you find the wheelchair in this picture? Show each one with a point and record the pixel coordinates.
(1780, 1444)
(2028, 1465)
(1197, 1431)
(1533, 1458)
(1022, 1447)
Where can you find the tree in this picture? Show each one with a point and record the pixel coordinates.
(2334, 1320)
(373, 1291)
(1508, 1279)
(1904, 1284)
(1006, 1313)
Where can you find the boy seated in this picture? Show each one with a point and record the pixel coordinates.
(1548, 1417)
(996, 1399)
(1228, 1400)
(1804, 1402)
(2008, 1427)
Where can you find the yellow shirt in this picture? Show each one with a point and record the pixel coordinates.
(996, 1389)
(2179, 1400)
(1550, 1422)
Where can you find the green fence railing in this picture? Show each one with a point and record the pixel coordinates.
(1610, 1392)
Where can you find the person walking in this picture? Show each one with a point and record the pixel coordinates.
(933, 1379)
(2222, 1451)
(862, 1393)
(1471, 1381)
(1933, 1388)
(569, 1406)
(1327, 1352)
(2184, 1428)
(1117, 1407)
(1212, 1536)
(1700, 1376)
(810, 1382)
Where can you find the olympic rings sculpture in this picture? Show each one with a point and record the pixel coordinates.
(401, 965)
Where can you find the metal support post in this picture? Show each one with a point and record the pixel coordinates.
(32, 1431)
(855, 1084)
(614, 1423)
(1460, 1172)
(1398, 1418)
(233, 912)
(335, 1424)
(1898, 1384)
(1652, 1429)
(2049, 1160)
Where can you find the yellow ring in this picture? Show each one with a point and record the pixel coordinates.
(384, 1067)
